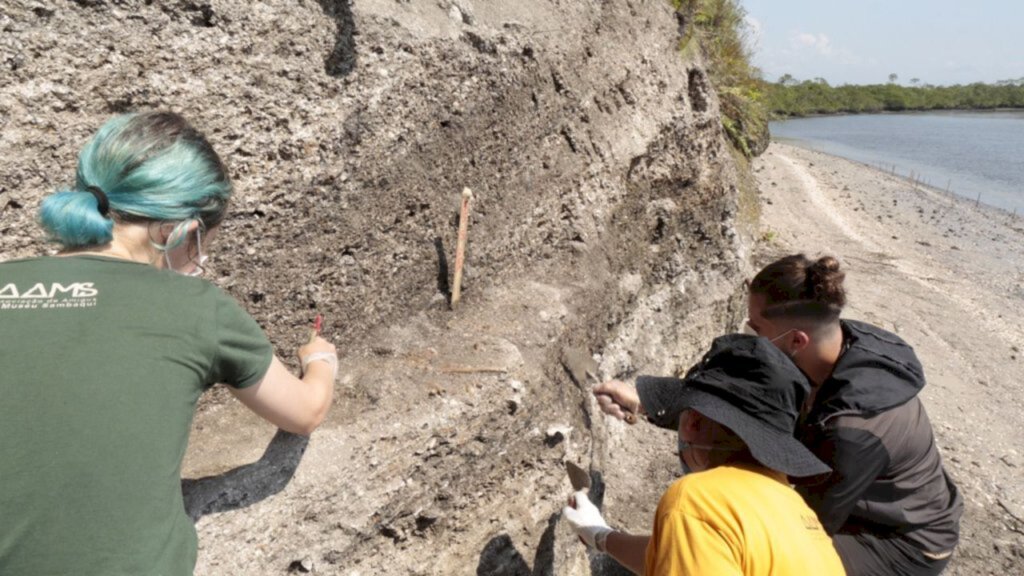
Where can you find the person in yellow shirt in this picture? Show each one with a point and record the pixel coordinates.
(733, 512)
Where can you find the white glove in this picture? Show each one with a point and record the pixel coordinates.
(329, 357)
(587, 522)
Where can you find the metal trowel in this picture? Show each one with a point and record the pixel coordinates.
(583, 369)
(578, 477)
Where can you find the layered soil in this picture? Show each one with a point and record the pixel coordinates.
(606, 218)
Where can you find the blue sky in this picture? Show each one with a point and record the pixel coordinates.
(863, 41)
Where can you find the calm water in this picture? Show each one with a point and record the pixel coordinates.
(972, 152)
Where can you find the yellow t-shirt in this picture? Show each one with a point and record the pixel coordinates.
(738, 521)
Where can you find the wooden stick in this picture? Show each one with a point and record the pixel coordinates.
(460, 247)
(472, 369)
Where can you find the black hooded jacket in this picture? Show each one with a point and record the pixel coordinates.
(869, 425)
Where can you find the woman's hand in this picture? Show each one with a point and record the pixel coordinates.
(318, 350)
(297, 405)
(315, 345)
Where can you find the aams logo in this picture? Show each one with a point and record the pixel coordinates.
(40, 290)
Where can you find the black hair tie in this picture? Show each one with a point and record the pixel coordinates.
(102, 203)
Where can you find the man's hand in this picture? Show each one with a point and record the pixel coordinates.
(586, 521)
(617, 399)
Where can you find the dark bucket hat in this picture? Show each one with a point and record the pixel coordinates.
(747, 384)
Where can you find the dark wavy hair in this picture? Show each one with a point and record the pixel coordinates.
(797, 287)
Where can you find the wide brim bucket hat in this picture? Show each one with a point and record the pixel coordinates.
(748, 385)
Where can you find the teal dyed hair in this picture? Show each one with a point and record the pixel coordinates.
(152, 166)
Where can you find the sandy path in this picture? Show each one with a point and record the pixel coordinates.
(949, 278)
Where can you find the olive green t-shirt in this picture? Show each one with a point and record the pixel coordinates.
(101, 364)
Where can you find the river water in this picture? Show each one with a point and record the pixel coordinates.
(970, 153)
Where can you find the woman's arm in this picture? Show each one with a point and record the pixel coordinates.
(297, 405)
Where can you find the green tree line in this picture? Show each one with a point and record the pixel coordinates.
(789, 97)
(716, 28)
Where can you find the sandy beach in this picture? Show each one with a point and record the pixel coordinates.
(947, 276)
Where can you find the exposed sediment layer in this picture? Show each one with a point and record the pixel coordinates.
(605, 218)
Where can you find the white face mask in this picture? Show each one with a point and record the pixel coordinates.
(750, 332)
(200, 265)
(792, 355)
(685, 446)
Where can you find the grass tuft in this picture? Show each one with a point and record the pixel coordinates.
(718, 28)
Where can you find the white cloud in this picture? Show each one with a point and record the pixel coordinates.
(819, 42)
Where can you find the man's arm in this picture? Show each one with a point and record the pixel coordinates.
(618, 399)
(628, 549)
(857, 458)
(590, 526)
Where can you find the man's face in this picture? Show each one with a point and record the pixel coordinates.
(698, 437)
(691, 457)
(756, 320)
(786, 338)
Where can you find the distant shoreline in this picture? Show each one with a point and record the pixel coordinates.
(952, 196)
(776, 118)
(807, 97)
(913, 169)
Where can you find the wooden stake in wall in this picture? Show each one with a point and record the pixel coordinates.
(460, 247)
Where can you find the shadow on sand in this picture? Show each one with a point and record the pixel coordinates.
(248, 484)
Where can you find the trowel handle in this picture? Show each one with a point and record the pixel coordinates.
(630, 414)
(317, 324)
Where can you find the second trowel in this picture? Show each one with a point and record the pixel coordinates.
(583, 369)
(578, 477)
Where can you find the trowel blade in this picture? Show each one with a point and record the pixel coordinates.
(581, 366)
(578, 477)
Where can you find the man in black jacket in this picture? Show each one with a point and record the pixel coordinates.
(889, 503)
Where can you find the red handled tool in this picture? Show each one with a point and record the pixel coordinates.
(317, 324)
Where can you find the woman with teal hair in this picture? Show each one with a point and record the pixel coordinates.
(106, 347)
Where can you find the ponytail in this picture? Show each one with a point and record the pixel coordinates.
(145, 167)
(73, 219)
